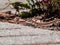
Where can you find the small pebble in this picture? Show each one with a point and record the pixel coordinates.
(38, 21)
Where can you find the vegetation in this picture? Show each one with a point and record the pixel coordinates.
(49, 8)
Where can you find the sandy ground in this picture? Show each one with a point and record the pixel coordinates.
(14, 34)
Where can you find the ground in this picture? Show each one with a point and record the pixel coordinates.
(34, 22)
(14, 34)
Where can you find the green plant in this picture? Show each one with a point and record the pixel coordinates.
(25, 15)
(18, 5)
(48, 7)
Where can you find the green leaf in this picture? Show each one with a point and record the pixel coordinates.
(23, 14)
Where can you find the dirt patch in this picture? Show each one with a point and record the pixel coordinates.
(35, 21)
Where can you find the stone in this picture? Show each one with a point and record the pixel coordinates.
(34, 19)
(15, 20)
(21, 20)
(4, 15)
(38, 21)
